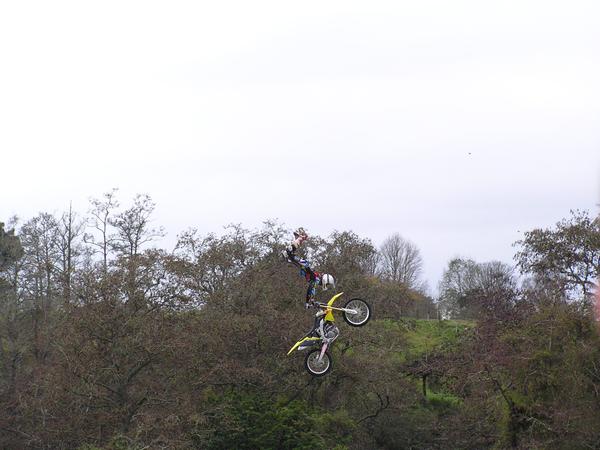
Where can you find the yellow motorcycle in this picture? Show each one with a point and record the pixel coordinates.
(318, 361)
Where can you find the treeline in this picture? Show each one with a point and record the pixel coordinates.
(105, 335)
(108, 341)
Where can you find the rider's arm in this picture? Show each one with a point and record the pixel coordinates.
(293, 247)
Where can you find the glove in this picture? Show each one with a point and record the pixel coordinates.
(288, 253)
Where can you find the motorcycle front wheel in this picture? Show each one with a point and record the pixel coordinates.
(315, 367)
(361, 315)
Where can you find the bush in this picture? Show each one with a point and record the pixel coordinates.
(252, 421)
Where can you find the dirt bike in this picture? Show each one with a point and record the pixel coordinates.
(318, 361)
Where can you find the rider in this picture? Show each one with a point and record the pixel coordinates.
(313, 277)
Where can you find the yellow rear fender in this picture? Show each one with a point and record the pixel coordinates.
(297, 344)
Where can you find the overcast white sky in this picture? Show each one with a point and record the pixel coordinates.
(457, 124)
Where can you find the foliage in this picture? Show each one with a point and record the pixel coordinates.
(253, 421)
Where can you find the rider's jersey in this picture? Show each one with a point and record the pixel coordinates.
(307, 272)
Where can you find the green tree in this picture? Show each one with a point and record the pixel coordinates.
(568, 254)
(10, 247)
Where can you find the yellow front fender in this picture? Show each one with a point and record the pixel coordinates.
(329, 315)
(334, 298)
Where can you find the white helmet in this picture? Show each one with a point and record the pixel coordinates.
(327, 281)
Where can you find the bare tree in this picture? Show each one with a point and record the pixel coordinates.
(401, 261)
(133, 227)
(68, 244)
(38, 281)
(469, 288)
(102, 212)
(38, 237)
(132, 231)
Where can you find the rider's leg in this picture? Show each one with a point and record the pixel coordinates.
(307, 273)
(310, 293)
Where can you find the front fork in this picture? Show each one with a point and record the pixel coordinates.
(323, 350)
(326, 341)
(320, 325)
